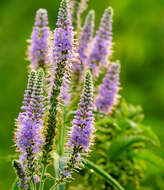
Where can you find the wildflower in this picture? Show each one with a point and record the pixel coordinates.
(108, 92)
(83, 128)
(28, 135)
(39, 50)
(85, 38)
(62, 53)
(81, 135)
(102, 43)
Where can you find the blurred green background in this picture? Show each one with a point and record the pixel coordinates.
(139, 39)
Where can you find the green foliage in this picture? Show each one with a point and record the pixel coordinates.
(122, 141)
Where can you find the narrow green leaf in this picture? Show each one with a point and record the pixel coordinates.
(105, 175)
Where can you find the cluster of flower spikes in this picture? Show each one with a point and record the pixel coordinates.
(29, 138)
(81, 135)
(62, 54)
(101, 51)
(28, 135)
(84, 41)
(108, 91)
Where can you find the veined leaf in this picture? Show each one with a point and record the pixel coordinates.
(105, 175)
(121, 143)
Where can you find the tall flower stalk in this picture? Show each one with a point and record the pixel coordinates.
(62, 53)
(102, 44)
(28, 135)
(81, 136)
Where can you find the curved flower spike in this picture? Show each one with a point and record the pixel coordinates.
(102, 43)
(108, 92)
(39, 53)
(85, 39)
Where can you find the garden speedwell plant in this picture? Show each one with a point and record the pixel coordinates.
(72, 91)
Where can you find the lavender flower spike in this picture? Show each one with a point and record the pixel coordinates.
(102, 43)
(108, 92)
(85, 39)
(82, 129)
(81, 135)
(62, 54)
(63, 35)
(39, 50)
(28, 92)
(20, 172)
(28, 135)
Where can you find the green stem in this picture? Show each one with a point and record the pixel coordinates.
(32, 185)
(35, 188)
(54, 186)
(41, 186)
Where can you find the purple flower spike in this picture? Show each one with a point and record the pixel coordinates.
(102, 43)
(62, 54)
(108, 92)
(63, 35)
(39, 50)
(28, 92)
(63, 47)
(84, 41)
(29, 139)
(82, 129)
